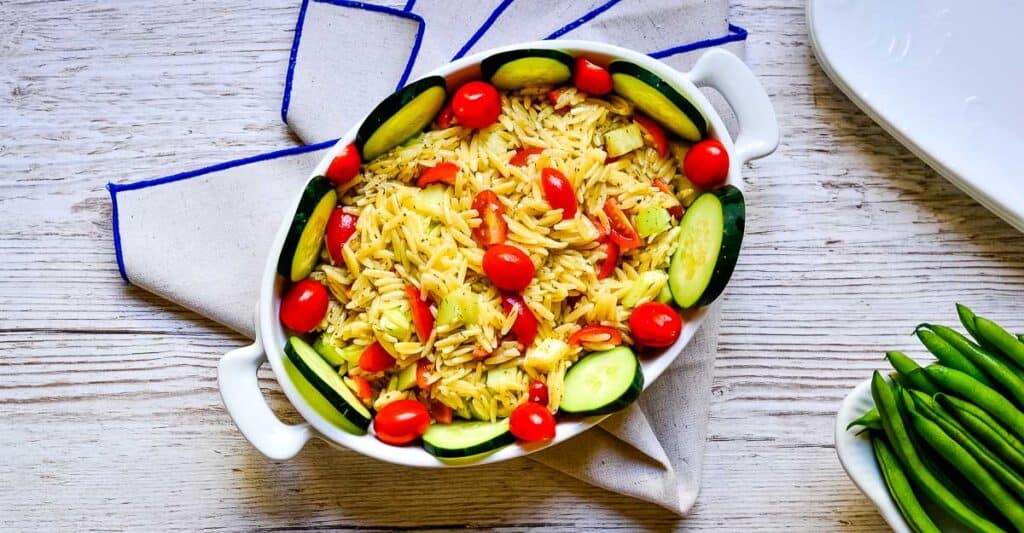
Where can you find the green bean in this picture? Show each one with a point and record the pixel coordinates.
(1000, 338)
(1000, 372)
(986, 428)
(907, 367)
(923, 478)
(967, 317)
(870, 420)
(899, 488)
(948, 355)
(963, 461)
(966, 387)
(988, 459)
(1020, 337)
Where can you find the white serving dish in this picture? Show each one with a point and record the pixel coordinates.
(757, 137)
(941, 76)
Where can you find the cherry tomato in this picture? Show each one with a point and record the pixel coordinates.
(538, 392)
(558, 192)
(375, 359)
(611, 260)
(531, 422)
(401, 422)
(363, 390)
(423, 367)
(304, 306)
(657, 134)
(446, 118)
(591, 78)
(492, 229)
(525, 326)
(441, 412)
(622, 231)
(655, 324)
(707, 164)
(522, 157)
(344, 166)
(677, 208)
(601, 334)
(508, 267)
(476, 104)
(421, 317)
(340, 228)
(443, 172)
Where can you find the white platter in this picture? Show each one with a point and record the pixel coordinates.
(945, 78)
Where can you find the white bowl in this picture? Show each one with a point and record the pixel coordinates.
(758, 136)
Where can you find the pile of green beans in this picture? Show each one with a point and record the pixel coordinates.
(952, 433)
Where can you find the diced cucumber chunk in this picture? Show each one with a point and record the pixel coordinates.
(602, 382)
(331, 353)
(621, 141)
(430, 201)
(546, 355)
(652, 220)
(397, 322)
(502, 379)
(459, 307)
(647, 285)
(407, 377)
(665, 295)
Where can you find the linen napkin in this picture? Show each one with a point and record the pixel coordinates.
(200, 238)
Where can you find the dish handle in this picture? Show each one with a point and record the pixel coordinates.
(726, 73)
(240, 390)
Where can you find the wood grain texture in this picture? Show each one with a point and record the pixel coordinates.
(109, 412)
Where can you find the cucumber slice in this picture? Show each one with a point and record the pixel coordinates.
(302, 245)
(465, 439)
(327, 382)
(401, 116)
(602, 382)
(516, 69)
(709, 244)
(657, 99)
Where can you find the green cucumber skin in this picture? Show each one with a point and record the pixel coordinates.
(391, 105)
(491, 65)
(449, 453)
(733, 224)
(684, 104)
(337, 401)
(311, 195)
(623, 401)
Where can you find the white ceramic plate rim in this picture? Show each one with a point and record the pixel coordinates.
(274, 338)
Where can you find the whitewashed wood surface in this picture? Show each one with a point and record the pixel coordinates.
(109, 413)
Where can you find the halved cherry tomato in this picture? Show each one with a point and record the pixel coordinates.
(444, 172)
(522, 157)
(344, 166)
(476, 104)
(677, 209)
(601, 226)
(622, 231)
(657, 134)
(340, 228)
(363, 390)
(508, 267)
(531, 422)
(525, 326)
(421, 317)
(423, 373)
(611, 260)
(401, 422)
(707, 164)
(375, 359)
(591, 78)
(538, 392)
(441, 412)
(558, 192)
(492, 229)
(601, 334)
(446, 118)
(553, 95)
(655, 324)
(304, 305)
